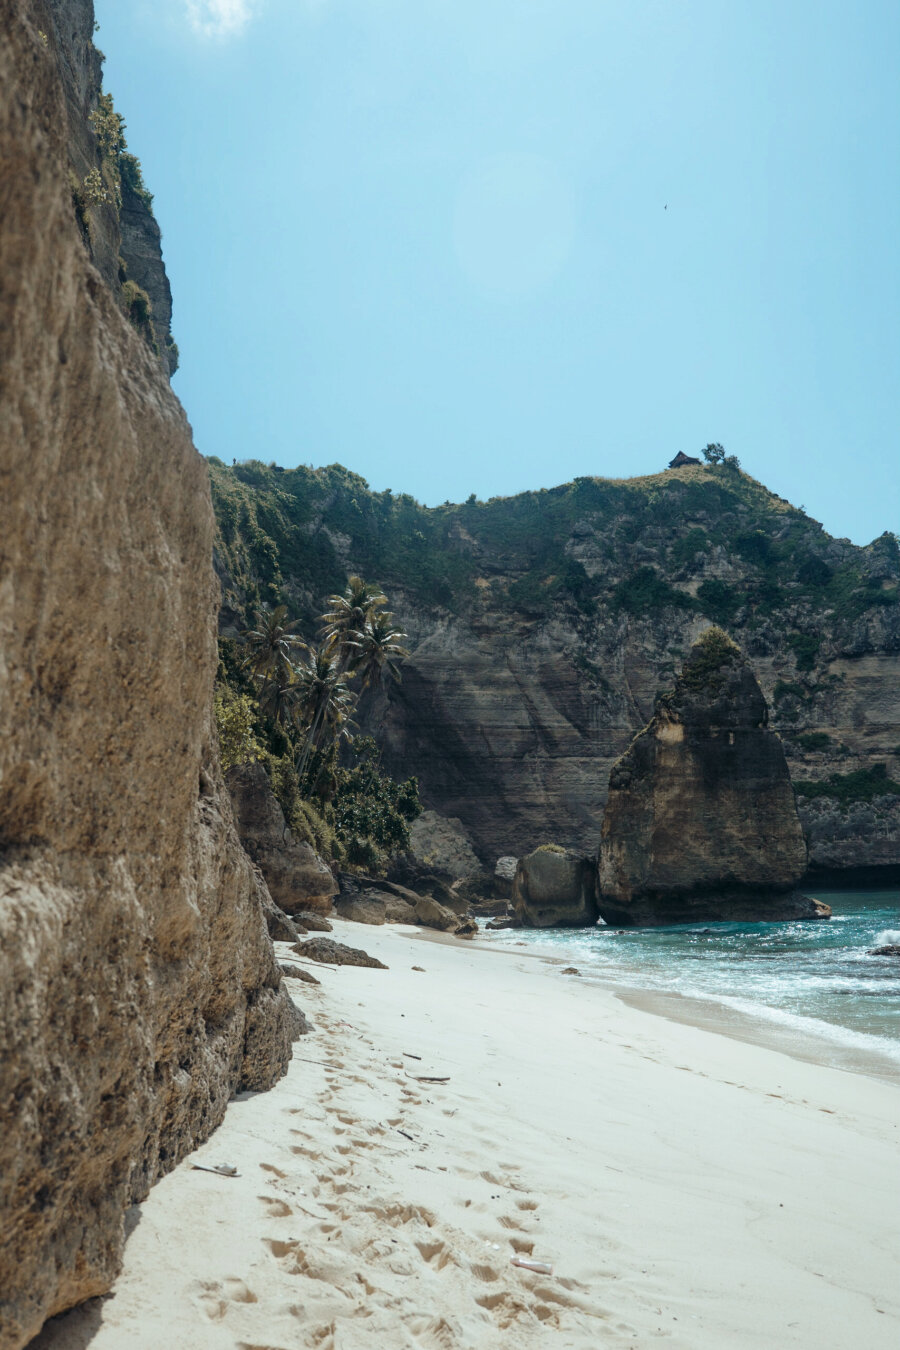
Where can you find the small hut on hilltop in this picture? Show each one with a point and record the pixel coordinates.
(681, 459)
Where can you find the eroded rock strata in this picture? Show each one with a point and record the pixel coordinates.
(701, 821)
(138, 987)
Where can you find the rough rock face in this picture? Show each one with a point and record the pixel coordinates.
(555, 888)
(441, 846)
(138, 987)
(504, 876)
(294, 872)
(332, 953)
(701, 821)
(369, 908)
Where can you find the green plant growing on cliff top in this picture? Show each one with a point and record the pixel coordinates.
(703, 670)
(132, 176)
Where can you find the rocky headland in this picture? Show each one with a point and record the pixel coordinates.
(138, 985)
(701, 821)
(543, 627)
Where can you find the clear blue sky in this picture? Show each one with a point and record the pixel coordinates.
(488, 245)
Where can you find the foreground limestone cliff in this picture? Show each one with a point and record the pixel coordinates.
(701, 822)
(138, 988)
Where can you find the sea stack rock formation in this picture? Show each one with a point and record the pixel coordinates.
(555, 888)
(138, 986)
(701, 821)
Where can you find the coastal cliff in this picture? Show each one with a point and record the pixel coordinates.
(542, 628)
(138, 986)
(701, 821)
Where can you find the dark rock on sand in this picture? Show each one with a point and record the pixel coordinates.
(701, 821)
(281, 927)
(297, 973)
(368, 908)
(555, 888)
(432, 915)
(314, 923)
(334, 953)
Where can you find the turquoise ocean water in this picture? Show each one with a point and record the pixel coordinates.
(809, 987)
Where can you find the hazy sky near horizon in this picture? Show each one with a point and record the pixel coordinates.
(489, 245)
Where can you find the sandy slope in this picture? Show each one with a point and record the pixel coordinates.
(686, 1187)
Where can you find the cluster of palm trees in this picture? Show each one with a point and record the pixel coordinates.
(306, 689)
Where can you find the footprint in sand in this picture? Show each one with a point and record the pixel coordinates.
(275, 1171)
(486, 1274)
(276, 1209)
(432, 1333)
(214, 1299)
(435, 1254)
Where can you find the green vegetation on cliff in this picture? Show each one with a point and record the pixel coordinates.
(707, 540)
(290, 704)
(863, 785)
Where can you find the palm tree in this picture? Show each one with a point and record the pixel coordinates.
(272, 644)
(346, 617)
(323, 703)
(375, 651)
(278, 699)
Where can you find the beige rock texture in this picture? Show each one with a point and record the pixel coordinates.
(431, 914)
(368, 908)
(701, 821)
(138, 986)
(294, 872)
(555, 888)
(440, 845)
(331, 953)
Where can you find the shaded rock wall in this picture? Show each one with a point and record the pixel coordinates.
(701, 821)
(138, 988)
(295, 874)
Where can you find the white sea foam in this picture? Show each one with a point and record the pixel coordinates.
(814, 1026)
(888, 937)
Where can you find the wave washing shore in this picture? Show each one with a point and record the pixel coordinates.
(807, 988)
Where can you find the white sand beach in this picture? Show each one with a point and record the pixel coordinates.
(687, 1188)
